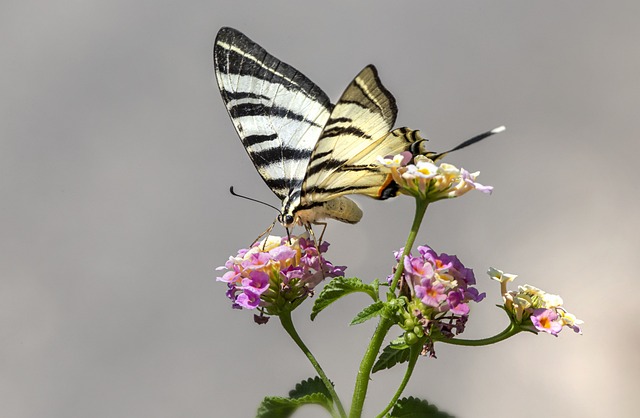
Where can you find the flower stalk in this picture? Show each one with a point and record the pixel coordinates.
(287, 324)
(421, 209)
(364, 372)
(413, 359)
(366, 365)
(508, 332)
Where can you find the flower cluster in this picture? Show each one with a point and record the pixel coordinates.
(438, 291)
(534, 309)
(276, 273)
(430, 182)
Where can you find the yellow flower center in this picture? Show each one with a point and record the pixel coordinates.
(545, 322)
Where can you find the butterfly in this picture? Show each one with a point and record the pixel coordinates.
(310, 152)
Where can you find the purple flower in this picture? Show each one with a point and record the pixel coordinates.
(257, 282)
(282, 253)
(431, 294)
(440, 290)
(256, 260)
(546, 320)
(470, 181)
(418, 267)
(455, 299)
(473, 294)
(232, 276)
(276, 273)
(248, 299)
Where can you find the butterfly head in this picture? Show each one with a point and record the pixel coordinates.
(288, 215)
(295, 211)
(287, 220)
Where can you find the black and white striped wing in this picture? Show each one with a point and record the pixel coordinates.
(278, 113)
(344, 160)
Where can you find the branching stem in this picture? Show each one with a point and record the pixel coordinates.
(287, 324)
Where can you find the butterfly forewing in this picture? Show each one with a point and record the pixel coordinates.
(357, 132)
(278, 113)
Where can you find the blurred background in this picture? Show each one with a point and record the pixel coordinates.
(117, 155)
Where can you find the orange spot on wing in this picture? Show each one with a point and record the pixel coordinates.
(386, 184)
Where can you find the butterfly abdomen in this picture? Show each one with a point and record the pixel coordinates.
(341, 208)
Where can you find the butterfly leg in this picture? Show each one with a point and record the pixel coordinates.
(317, 243)
(312, 235)
(324, 228)
(266, 232)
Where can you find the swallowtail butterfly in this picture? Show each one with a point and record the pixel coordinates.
(310, 152)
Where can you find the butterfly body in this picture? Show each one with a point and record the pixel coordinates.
(309, 152)
(340, 208)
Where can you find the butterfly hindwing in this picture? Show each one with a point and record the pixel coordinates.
(278, 112)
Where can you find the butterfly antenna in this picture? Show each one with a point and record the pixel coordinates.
(468, 142)
(252, 199)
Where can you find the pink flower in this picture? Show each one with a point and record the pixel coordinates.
(276, 274)
(546, 320)
(431, 294)
(532, 308)
(440, 289)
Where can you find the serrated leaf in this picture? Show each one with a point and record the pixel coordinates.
(416, 408)
(375, 285)
(279, 407)
(391, 355)
(310, 386)
(339, 287)
(275, 406)
(371, 311)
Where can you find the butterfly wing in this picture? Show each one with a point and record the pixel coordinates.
(344, 160)
(278, 113)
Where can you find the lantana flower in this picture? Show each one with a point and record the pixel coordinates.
(426, 180)
(276, 273)
(534, 309)
(438, 289)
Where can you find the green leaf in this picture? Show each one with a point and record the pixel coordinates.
(371, 311)
(375, 285)
(416, 408)
(275, 406)
(339, 287)
(310, 386)
(391, 355)
(278, 407)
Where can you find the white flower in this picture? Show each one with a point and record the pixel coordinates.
(396, 161)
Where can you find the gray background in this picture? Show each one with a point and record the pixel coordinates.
(117, 154)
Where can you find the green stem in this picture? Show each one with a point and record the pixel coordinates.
(287, 324)
(421, 208)
(413, 359)
(510, 331)
(364, 372)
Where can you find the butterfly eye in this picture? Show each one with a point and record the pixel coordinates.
(288, 219)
